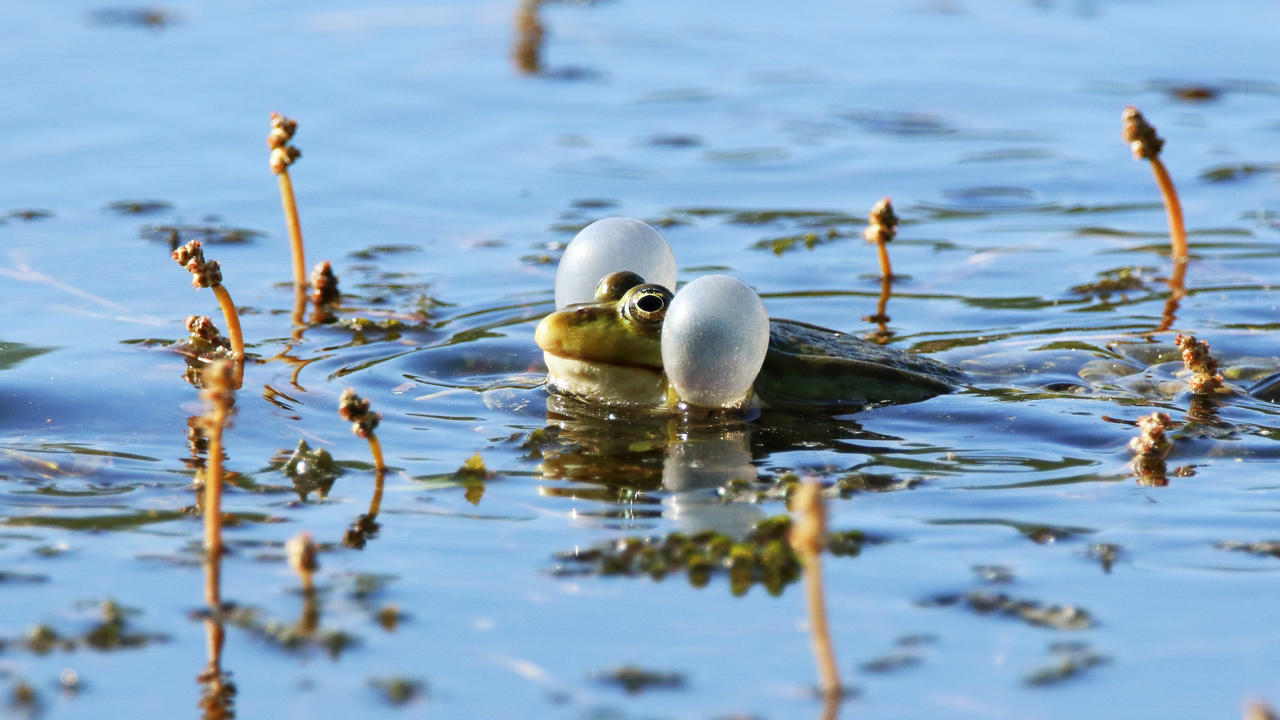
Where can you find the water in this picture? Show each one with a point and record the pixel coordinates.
(441, 181)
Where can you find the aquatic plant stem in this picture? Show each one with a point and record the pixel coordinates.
(295, 230)
(355, 409)
(808, 537)
(232, 319)
(282, 156)
(1173, 210)
(208, 273)
(375, 447)
(882, 254)
(1146, 144)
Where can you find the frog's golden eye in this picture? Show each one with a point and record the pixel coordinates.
(646, 304)
(613, 286)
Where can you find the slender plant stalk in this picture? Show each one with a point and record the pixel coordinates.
(375, 448)
(881, 229)
(208, 273)
(299, 307)
(882, 254)
(295, 229)
(232, 319)
(1173, 210)
(808, 537)
(282, 156)
(354, 408)
(1147, 145)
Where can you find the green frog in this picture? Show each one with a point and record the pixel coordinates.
(609, 352)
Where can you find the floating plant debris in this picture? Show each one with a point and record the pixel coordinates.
(1231, 173)
(763, 556)
(783, 487)
(175, 235)
(311, 470)
(112, 631)
(787, 243)
(291, 636)
(994, 574)
(137, 207)
(399, 690)
(31, 214)
(151, 18)
(890, 663)
(1115, 282)
(635, 680)
(1073, 660)
(1105, 553)
(24, 698)
(1266, 547)
(376, 251)
(803, 218)
(1057, 617)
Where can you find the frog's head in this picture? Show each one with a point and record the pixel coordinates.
(609, 350)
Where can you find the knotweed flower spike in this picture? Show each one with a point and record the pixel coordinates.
(1150, 449)
(282, 156)
(301, 552)
(1205, 377)
(1146, 145)
(324, 285)
(205, 335)
(208, 273)
(808, 538)
(1152, 444)
(881, 229)
(354, 408)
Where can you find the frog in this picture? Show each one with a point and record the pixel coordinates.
(608, 351)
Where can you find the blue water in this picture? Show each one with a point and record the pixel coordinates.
(994, 128)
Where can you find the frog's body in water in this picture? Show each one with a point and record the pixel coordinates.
(609, 351)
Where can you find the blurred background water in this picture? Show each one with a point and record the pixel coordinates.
(447, 159)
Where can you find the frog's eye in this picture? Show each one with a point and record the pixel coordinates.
(614, 285)
(646, 304)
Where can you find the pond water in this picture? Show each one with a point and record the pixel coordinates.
(1013, 564)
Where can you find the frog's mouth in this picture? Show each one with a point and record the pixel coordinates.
(606, 383)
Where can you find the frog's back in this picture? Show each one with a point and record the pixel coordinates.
(810, 366)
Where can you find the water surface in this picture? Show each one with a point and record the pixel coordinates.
(441, 176)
